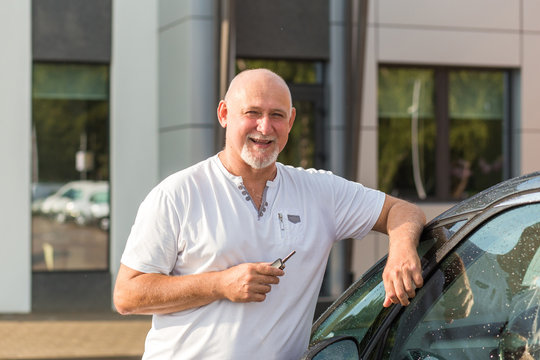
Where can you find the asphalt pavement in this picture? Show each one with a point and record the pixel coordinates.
(88, 336)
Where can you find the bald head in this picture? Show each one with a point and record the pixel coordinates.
(257, 80)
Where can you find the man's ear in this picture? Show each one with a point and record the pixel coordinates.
(291, 119)
(222, 113)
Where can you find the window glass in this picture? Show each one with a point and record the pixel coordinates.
(476, 110)
(447, 149)
(296, 72)
(406, 132)
(362, 312)
(70, 157)
(484, 300)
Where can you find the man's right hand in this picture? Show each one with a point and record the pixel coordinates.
(249, 282)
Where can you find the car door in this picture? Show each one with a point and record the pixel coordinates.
(483, 300)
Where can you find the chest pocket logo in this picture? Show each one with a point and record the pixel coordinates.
(295, 219)
(291, 225)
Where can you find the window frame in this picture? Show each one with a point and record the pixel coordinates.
(442, 123)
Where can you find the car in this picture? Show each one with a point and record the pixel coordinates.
(481, 293)
(91, 204)
(54, 205)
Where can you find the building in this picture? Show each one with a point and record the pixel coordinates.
(124, 92)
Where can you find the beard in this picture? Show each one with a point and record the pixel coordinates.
(258, 159)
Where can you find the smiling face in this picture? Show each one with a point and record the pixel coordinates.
(258, 115)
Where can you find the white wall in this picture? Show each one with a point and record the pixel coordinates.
(187, 83)
(134, 115)
(15, 112)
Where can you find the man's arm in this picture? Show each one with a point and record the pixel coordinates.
(136, 292)
(403, 222)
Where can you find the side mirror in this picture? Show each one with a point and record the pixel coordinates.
(336, 348)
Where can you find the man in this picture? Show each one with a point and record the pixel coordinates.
(199, 254)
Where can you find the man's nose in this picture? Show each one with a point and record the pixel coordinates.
(263, 125)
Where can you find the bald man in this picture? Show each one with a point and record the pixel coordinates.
(200, 251)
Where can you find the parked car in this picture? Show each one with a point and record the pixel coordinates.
(90, 206)
(481, 293)
(55, 204)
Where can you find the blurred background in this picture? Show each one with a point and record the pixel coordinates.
(428, 100)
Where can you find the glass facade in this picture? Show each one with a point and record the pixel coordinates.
(70, 167)
(440, 131)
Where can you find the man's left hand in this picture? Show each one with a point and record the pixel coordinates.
(402, 275)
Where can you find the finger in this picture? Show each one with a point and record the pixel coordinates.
(390, 297)
(387, 302)
(266, 269)
(418, 279)
(261, 289)
(409, 286)
(267, 279)
(403, 297)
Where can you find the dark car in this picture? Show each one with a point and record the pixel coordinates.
(481, 293)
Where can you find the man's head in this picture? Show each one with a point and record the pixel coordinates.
(257, 114)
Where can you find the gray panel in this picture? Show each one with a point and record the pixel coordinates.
(71, 291)
(283, 29)
(71, 30)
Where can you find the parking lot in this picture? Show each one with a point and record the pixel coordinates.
(67, 246)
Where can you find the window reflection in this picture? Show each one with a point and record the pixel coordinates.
(476, 124)
(70, 147)
(406, 132)
(423, 143)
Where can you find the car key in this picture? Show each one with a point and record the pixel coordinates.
(280, 264)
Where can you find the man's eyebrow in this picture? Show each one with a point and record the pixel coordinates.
(260, 109)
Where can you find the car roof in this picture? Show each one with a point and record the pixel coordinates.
(490, 196)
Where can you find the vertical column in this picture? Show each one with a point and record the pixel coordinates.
(15, 122)
(336, 272)
(134, 116)
(188, 63)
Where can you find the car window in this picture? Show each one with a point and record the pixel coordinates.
(73, 194)
(100, 198)
(483, 301)
(362, 310)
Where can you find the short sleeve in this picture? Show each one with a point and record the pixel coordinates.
(357, 208)
(152, 246)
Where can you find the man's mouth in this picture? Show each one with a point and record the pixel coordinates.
(261, 141)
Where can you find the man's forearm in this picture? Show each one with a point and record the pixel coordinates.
(141, 293)
(162, 294)
(405, 224)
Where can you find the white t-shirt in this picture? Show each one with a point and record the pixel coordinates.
(201, 219)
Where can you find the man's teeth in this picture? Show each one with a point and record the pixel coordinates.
(261, 141)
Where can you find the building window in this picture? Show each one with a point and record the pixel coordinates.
(70, 175)
(442, 131)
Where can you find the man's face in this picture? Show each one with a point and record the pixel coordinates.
(258, 118)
